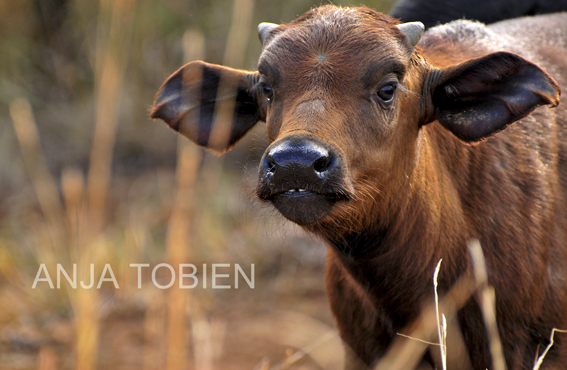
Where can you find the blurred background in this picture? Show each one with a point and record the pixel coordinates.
(87, 178)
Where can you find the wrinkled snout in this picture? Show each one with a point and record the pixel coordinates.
(303, 178)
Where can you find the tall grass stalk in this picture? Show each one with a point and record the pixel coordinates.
(112, 56)
(47, 359)
(487, 302)
(235, 51)
(551, 341)
(406, 353)
(43, 183)
(441, 323)
(178, 251)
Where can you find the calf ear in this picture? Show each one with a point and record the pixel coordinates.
(481, 97)
(210, 104)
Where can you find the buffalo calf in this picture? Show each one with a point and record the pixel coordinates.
(397, 148)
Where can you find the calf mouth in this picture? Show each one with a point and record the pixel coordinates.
(302, 205)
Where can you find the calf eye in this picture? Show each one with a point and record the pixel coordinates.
(267, 92)
(386, 93)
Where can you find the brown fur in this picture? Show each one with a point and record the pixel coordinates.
(419, 193)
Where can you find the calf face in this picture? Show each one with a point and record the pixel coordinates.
(344, 95)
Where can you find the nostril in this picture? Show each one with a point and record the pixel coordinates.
(271, 165)
(322, 164)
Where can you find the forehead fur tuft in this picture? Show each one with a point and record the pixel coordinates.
(330, 19)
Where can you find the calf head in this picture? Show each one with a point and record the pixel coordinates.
(345, 95)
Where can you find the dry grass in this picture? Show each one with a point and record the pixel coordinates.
(137, 194)
(407, 351)
(92, 212)
(179, 329)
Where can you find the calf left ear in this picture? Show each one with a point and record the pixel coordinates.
(212, 105)
(481, 97)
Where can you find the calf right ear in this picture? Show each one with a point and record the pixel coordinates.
(482, 96)
(211, 105)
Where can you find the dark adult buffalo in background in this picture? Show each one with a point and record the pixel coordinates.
(432, 12)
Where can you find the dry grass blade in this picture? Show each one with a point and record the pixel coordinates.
(294, 357)
(43, 183)
(193, 45)
(542, 357)
(113, 54)
(72, 188)
(307, 336)
(203, 342)
(263, 365)
(240, 27)
(178, 247)
(224, 110)
(487, 304)
(406, 354)
(47, 359)
(154, 329)
(441, 327)
(87, 324)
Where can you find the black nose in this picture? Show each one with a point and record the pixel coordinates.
(298, 163)
(303, 178)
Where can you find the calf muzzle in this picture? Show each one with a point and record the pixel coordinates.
(303, 178)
